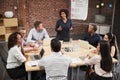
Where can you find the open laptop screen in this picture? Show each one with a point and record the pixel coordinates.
(39, 56)
(42, 52)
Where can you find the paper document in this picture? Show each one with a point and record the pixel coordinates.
(32, 63)
(76, 60)
(28, 48)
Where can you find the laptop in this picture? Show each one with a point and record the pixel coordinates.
(39, 56)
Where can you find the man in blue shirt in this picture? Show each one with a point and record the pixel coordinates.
(92, 37)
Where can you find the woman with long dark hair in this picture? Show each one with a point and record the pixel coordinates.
(15, 61)
(111, 38)
(102, 63)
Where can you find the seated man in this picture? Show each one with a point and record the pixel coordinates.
(29, 47)
(56, 64)
(92, 37)
(37, 34)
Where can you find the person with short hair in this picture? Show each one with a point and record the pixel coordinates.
(63, 25)
(56, 64)
(37, 34)
(92, 37)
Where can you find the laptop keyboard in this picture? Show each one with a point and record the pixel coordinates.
(35, 57)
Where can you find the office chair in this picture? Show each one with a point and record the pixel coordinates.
(57, 78)
(115, 71)
(3, 56)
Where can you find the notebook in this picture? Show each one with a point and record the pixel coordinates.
(39, 56)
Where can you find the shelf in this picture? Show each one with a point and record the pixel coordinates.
(4, 37)
(7, 26)
(2, 30)
(1, 22)
(11, 29)
(10, 22)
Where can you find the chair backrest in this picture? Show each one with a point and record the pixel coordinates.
(115, 71)
(3, 57)
(57, 78)
(3, 52)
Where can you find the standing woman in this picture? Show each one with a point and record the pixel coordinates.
(101, 71)
(111, 38)
(63, 25)
(15, 61)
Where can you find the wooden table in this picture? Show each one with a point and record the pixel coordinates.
(78, 48)
(82, 51)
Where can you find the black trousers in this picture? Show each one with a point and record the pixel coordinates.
(94, 76)
(18, 72)
(38, 75)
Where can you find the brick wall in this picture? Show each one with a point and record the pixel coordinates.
(47, 12)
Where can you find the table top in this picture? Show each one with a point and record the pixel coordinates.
(75, 49)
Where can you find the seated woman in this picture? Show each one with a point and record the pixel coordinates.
(15, 61)
(101, 71)
(111, 38)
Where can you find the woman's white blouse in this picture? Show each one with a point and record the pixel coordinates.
(15, 57)
(95, 60)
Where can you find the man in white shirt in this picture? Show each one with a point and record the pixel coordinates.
(56, 64)
(37, 34)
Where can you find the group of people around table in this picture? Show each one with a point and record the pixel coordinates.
(56, 64)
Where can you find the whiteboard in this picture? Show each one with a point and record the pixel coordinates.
(79, 9)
